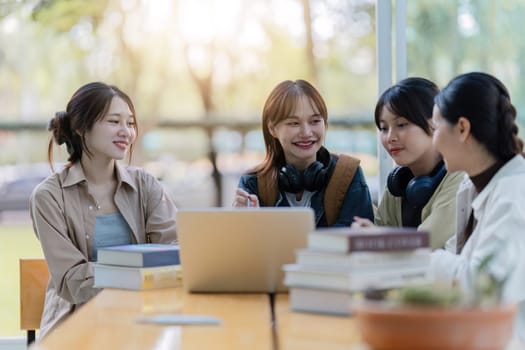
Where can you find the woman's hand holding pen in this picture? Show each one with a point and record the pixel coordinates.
(244, 200)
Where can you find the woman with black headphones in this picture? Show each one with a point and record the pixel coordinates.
(420, 193)
(298, 170)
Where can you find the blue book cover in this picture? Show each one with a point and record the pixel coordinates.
(140, 255)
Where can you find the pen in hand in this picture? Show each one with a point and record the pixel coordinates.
(248, 202)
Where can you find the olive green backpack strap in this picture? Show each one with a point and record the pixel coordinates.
(335, 192)
(268, 191)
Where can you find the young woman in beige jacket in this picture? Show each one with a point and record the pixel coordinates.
(94, 201)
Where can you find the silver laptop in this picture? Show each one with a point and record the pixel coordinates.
(240, 250)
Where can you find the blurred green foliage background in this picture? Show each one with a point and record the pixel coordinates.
(202, 60)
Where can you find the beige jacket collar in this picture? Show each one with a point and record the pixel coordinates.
(76, 175)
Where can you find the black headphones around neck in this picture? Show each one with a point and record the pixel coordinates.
(313, 178)
(417, 190)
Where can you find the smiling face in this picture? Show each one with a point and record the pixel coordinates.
(408, 144)
(301, 134)
(112, 135)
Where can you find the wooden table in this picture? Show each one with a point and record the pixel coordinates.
(108, 322)
(296, 330)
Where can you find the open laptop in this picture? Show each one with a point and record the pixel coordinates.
(241, 249)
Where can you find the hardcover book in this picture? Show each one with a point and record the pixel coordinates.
(137, 278)
(321, 301)
(342, 280)
(377, 238)
(139, 255)
(363, 260)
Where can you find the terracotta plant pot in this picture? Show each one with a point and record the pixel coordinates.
(422, 327)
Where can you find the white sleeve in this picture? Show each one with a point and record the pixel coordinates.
(444, 266)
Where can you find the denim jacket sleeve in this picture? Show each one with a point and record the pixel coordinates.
(248, 182)
(357, 202)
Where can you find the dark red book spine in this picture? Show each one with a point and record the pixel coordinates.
(388, 242)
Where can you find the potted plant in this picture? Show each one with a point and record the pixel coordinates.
(434, 317)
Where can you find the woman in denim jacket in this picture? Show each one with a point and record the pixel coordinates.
(297, 169)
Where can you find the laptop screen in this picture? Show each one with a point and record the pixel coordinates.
(241, 249)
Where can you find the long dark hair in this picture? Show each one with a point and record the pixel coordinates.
(87, 105)
(411, 98)
(485, 102)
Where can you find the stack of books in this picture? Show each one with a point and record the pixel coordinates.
(339, 263)
(138, 266)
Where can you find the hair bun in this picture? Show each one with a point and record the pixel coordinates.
(59, 126)
(56, 120)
